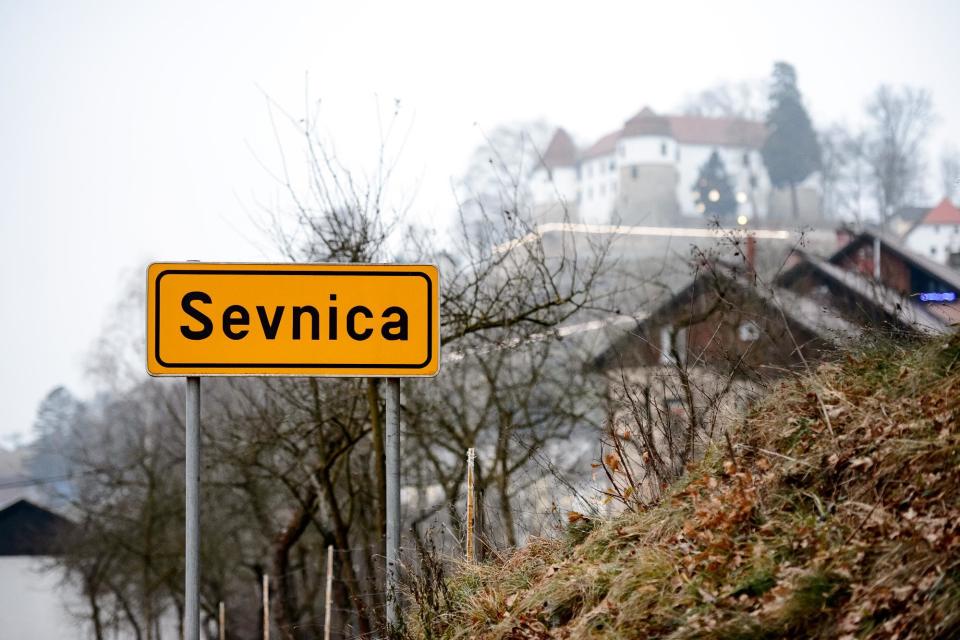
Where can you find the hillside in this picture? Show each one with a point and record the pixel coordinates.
(839, 518)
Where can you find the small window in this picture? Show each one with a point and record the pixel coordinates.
(663, 149)
(746, 159)
(623, 150)
(589, 193)
(678, 153)
(634, 172)
(613, 165)
(748, 332)
(933, 251)
(603, 189)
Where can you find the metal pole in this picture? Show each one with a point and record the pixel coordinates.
(393, 500)
(328, 596)
(191, 623)
(266, 607)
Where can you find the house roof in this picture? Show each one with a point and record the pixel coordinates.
(561, 152)
(822, 321)
(938, 271)
(943, 213)
(702, 130)
(884, 298)
(604, 146)
(646, 123)
(731, 132)
(30, 530)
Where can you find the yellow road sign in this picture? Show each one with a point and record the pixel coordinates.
(292, 319)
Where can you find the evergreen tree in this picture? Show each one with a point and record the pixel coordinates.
(713, 193)
(791, 151)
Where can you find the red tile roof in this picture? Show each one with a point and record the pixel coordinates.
(605, 145)
(943, 213)
(647, 123)
(731, 132)
(561, 152)
(714, 132)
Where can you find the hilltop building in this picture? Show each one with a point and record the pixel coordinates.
(936, 234)
(644, 173)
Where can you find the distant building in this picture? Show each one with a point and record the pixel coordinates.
(35, 602)
(936, 234)
(644, 173)
(922, 281)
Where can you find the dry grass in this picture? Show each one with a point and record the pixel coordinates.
(840, 517)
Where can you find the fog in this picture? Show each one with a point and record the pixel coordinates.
(131, 133)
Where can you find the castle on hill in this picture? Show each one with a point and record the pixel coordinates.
(644, 174)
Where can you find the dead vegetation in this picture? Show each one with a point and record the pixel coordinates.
(832, 512)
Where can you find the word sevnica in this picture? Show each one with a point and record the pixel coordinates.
(360, 322)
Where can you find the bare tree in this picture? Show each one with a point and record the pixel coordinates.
(950, 172)
(899, 121)
(497, 171)
(844, 172)
(745, 99)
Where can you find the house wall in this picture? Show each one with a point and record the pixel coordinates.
(647, 194)
(647, 150)
(724, 338)
(894, 272)
(935, 241)
(35, 604)
(599, 184)
(780, 207)
(554, 194)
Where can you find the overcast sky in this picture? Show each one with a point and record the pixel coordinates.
(131, 133)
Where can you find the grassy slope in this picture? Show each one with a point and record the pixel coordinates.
(839, 518)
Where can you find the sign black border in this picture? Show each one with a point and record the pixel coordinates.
(289, 272)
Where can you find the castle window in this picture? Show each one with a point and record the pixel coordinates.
(746, 159)
(633, 172)
(613, 165)
(663, 149)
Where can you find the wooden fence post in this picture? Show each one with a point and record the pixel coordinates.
(471, 516)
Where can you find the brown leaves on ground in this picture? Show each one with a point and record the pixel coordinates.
(840, 517)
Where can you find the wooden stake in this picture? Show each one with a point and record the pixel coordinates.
(222, 618)
(327, 596)
(471, 454)
(266, 607)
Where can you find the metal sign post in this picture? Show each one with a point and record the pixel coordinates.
(335, 320)
(393, 500)
(192, 482)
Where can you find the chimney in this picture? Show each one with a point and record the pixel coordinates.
(751, 256)
(844, 236)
